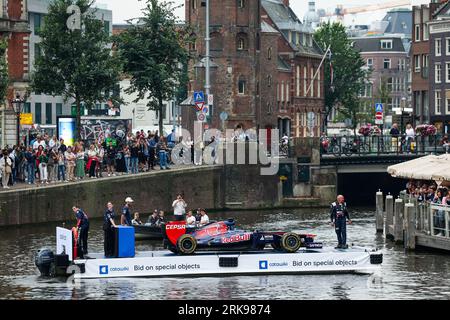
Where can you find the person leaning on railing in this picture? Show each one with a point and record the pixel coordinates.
(394, 132)
(445, 144)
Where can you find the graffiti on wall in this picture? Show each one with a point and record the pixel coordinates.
(100, 129)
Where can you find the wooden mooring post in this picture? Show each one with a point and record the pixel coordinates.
(389, 221)
(398, 220)
(410, 226)
(379, 212)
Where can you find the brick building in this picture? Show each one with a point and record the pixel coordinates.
(14, 28)
(263, 60)
(429, 52)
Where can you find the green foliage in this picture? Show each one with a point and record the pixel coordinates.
(4, 75)
(154, 54)
(349, 76)
(76, 64)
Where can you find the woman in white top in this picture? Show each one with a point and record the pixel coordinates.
(6, 168)
(410, 136)
(204, 219)
(92, 160)
(179, 208)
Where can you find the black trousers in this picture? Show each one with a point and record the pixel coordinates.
(92, 168)
(109, 242)
(82, 242)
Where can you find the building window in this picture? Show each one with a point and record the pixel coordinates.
(287, 92)
(417, 32)
(437, 73)
(318, 85)
(241, 3)
(298, 81)
(37, 51)
(269, 53)
(27, 107)
(416, 63)
(305, 81)
(312, 82)
(447, 46)
(438, 101)
(386, 44)
(437, 47)
(106, 26)
(369, 63)
(401, 64)
(241, 44)
(447, 101)
(48, 113)
(269, 80)
(194, 4)
(241, 86)
(426, 32)
(447, 72)
(386, 63)
(58, 109)
(389, 84)
(37, 23)
(38, 112)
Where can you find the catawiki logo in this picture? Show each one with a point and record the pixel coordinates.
(263, 265)
(103, 269)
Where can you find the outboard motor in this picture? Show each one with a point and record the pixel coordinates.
(45, 261)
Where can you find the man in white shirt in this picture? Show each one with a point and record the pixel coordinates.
(39, 142)
(179, 208)
(190, 219)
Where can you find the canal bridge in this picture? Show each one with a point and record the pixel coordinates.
(355, 167)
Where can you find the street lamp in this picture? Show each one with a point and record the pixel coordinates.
(17, 104)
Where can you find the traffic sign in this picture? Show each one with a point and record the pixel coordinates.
(379, 107)
(201, 117)
(199, 96)
(210, 99)
(223, 116)
(205, 110)
(199, 105)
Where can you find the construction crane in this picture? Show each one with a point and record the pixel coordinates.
(340, 11)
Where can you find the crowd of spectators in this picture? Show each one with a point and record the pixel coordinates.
(47, 160)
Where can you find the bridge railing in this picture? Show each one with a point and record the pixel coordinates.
(380, 144)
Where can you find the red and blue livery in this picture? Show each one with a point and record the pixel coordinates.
(223, 236)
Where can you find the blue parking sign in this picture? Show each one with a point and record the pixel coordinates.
(199, 96)
(378, 107)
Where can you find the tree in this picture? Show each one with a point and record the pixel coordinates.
(4, 75)
(76, 64)
(153, 51)
(349, 77)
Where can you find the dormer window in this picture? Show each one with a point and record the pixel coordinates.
(386, 44)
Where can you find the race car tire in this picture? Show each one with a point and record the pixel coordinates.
(186, 244)
(290, 242)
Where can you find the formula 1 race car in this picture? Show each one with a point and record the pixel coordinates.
(223, 236)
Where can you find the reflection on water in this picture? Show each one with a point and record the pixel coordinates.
(412, 275)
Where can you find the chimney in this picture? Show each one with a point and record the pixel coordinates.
(285, 2)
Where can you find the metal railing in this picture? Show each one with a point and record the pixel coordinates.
(431, 218)
(381, 144)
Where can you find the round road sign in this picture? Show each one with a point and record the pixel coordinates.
(201, 117)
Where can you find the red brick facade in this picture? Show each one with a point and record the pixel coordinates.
(241, 51)
(16, 31)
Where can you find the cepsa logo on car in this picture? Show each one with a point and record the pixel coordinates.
(237, 238)
(175, 226)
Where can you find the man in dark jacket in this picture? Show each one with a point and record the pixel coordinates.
(83, 230)
(339, 215)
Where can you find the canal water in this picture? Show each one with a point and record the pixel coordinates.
(418, 275)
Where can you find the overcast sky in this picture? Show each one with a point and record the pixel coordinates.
(126, 9)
